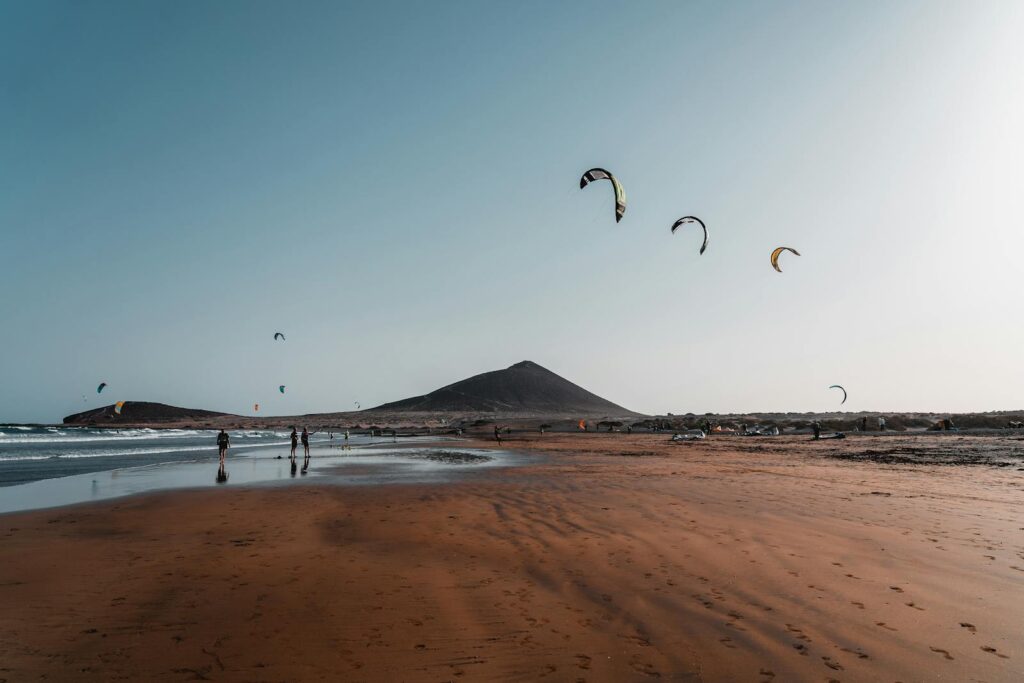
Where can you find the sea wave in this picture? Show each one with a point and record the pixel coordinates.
(97, 436)
(128, 452)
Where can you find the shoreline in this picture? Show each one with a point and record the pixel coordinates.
(607, 559)
(256, 466)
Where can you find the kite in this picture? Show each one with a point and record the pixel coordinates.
(693, 219)
(256, 408)
(101, 387)
(118, 406)
(279, 334)
(281, 388)
(358, 407)
(775, 256)
(620, 194)
(836, 386)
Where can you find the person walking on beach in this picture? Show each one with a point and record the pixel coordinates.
(295, 443)
(222, 445)
(817, 430)
(305, 442)
(497, 434)
(881, 424)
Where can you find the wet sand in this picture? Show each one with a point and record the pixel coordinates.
(611, 558)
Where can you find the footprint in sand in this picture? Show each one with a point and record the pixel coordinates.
(583, 661)
(944, 653)
(831, 664)
(896, 588)
(969, 626)
(645, 668)
(883, 625)
(766, 675)
(801, 648)
(727, 641)
(801, 635)
(911, 604)
(992, 650)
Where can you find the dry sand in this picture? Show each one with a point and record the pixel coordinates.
(612, 558)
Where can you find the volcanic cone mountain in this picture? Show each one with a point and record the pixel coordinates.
(524, 388)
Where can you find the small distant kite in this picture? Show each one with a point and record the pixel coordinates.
(836, 386)
(118, 406)
(582, 425)
(620, 194)
(101, 387)
(256, 408)
(693, 219)
(775, 256)
(358, 407)
(281, 388)
(279, 335)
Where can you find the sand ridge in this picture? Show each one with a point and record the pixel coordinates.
(612, 558)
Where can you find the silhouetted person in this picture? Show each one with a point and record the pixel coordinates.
(497, 434)
(222, 445)
(295, 443)
(305, 442)
(817, 430)
(863, 424)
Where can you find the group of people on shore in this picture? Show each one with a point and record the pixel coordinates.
(224, 442)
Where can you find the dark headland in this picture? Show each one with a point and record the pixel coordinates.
(140, 412)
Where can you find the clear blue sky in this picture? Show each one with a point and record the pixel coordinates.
(394, 185)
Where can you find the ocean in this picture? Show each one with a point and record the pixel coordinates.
(43, 467)
(34, 453)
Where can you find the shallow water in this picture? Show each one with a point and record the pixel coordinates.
(34, 453)
(368, 465)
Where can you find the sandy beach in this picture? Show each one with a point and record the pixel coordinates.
(606, 558)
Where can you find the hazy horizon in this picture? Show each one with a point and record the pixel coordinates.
(395, 187)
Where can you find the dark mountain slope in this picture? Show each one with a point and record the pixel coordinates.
(524, 388)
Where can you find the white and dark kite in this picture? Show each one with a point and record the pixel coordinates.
(620, 194)
(693, 219)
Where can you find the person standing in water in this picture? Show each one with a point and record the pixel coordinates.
(295, 443)
(222, 445)
(305, 442)
(497, 434)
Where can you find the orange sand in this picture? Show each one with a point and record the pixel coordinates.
(612, 558)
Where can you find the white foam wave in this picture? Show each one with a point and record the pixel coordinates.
(129, 452)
